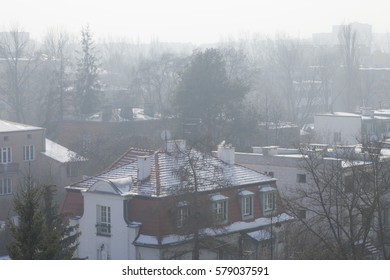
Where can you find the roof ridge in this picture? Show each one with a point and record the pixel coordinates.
(115, 165)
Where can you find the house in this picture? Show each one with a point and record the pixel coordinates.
(174, 203)
(351, 128)
(25, 150)
(344, 188)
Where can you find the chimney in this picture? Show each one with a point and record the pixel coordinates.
(176, 145)
(144, 167)
(226, 153)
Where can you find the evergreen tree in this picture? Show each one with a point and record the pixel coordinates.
(60, 239)
(87, 85)
(41, 232)
(28, 232)
(206, 93)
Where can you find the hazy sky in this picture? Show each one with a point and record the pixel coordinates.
(198, 21)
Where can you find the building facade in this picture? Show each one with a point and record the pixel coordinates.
(177, 204)
(24, 151)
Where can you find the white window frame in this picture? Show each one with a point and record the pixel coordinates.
(28, 153)
(103, 220)
(6, 154)
(268, 198)
(5, 186)
(269, 201)
(246, 203)
(220, 208)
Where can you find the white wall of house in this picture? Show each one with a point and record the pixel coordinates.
(116, 246)
(285, 168)
(348, 126)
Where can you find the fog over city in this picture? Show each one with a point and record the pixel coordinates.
(198, 22)
(205, 130)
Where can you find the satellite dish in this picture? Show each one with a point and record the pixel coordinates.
(165, 135)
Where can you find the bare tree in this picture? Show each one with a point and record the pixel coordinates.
(198, 173)
(351, 62)
(340, 212)
(19, 63)
(56, 47)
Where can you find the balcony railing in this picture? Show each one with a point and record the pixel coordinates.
(103, 229)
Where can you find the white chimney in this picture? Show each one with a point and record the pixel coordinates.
(226, 153)
(144, 167)
(176, 145)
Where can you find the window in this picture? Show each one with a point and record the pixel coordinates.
(348, 183)
(269, 173)
(302, 214)
(268, 198)
(5, 186)
(301, 178)
(28, 153)
(246, 203)
(247, 206)
(103, 225)
(5, 156)
(219, 208)
(182, 214)
(71, 170)
(5, 138)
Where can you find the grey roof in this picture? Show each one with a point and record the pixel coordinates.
(60, 153)
(171, 173)
(7, 126)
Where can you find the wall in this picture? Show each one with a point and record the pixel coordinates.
(17, 169)
(119, 243)
(348, 125)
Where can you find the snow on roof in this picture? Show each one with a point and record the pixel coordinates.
(7, 126)
(217, 197)
(266, 188)
(340, 114)
(60, 153)
(246, 192)
(164, 179)
(260, 235)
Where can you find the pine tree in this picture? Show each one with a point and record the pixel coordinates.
(87, 85)
(41, 232)
(60, 239)
(28, 232)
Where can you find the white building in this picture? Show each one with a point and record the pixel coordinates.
(147, 204)
(351, 128)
